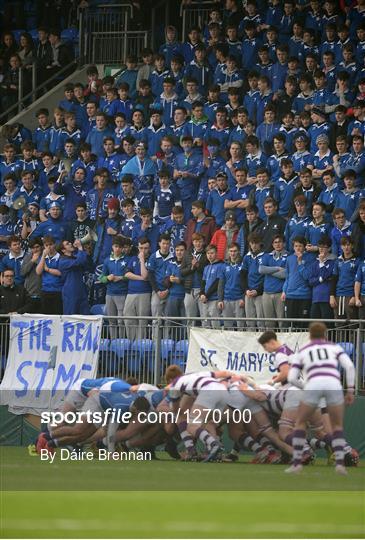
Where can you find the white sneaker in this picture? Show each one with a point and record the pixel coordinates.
(341, 469)
(294, 469)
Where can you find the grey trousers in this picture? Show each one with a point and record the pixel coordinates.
(273, 308)
(210, 309)
(137, 305)
(115, 307)
(192, 305)
(254, 310)
(233, 309)
(157, 305)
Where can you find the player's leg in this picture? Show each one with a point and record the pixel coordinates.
(336, 412)
(305, 411)
(266, 429)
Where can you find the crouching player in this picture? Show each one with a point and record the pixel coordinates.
(319, 362)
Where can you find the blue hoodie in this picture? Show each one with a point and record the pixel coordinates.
(231, 281)
(250, 264)
(157, 266)
(319, 277)
(346, 270)
(211, 273)
(295, 286)
(272, 283)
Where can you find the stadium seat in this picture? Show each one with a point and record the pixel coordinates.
(97, 309)
(167, 348)
(348, 348)
(16, 34)
(141, 354)
(104, 345)
(180, 353)
(34, 34)
(120, 347)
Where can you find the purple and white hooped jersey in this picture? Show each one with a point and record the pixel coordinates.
(321, 358)
(190, 384)
(275, 399)
(282, 356)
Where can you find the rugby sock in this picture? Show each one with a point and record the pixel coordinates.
(317, 443)
(298, 444)
(185, 436)
(289, 439)
(246, 441)
(205, 437)
(338, 445)
(266, 443)
(347, 448)
(328, 440)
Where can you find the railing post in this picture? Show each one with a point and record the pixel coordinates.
(20, 89)
(34, 81)
(125, 40)
(358, 366)
(156, 333)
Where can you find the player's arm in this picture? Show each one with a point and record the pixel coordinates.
(282, 376)
(294, 373)
(257, 395)
(346, 363)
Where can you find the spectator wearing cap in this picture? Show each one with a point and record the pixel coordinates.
(318, 127)
(199, 223)
(72, 267)
(168, 100)
(224, 237)
(143, 170)
(322, 161)
(187, 173)
(54, 226)
(33, 282)
(98, 133)
(320, 275)
(301, 156)
(113, 275)
(48, 268)
(13, 259)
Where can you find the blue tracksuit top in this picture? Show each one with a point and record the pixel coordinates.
(75, 193)
(215, 204)
(360, 277)
(255, 162)
(92, 198)
(41, 138)
(157, 266)
(315, 232)
(283, 194)
(319, 278)
(346, 270)
(173, 268)
(196, 129)
(273, 165)
(72, 269)
(153, 138)
(272, 284)
(296, 226)
(210, 273)
(152, 233)
(278, 76)
(64, 135)
(231, 281)
(337, 234)
(260, 195)
(96, 138)
(249, 52)
(57, 228)
(119, 106)
(193, 164)
(118, 267)
(251, 263)
(314, 131)
(348, 201)
(202, 74)
(295, 286)
(156, 79)
(134, 286)
(249, 102)
(51, 283)
(9, 261)
(240, 194)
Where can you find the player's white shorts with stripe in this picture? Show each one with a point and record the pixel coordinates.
(239, 400)
(212, 396)
(328, 388)
(293, 397)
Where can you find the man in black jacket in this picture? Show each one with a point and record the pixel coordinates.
(192, 267)
(272, 225)
(13, 298)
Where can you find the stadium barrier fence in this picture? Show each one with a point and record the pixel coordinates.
(143, 347)
(195, 14)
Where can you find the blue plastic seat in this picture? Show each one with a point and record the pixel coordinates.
(167, 349)
(120, 347)
(180, 354)
(348, 348)
(97, 309)
(70, 34)
(16, 34)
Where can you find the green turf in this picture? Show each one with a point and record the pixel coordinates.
(254, 510)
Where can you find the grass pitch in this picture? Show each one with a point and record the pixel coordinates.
(168, 499)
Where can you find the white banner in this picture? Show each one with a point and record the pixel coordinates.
(47, 354)
(236, 351)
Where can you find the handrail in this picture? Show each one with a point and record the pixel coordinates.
(34, 91)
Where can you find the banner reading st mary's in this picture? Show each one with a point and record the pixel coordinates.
(236, 351)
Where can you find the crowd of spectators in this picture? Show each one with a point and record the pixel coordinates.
(224, 176)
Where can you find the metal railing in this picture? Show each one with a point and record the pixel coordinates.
(195, 14)
(96, 25)
(143, 347)
(37, 91)
(114, 47)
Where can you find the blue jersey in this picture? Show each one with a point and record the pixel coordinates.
(240, 194)
(283, 194)
(215, 204)
(300, 160)
(296, 226)
(260, 195)
(250, 264)
(348, 201)
(120, 401)
(117, 267)
(137, 286)
(116, 385)
(360, 277)
(173, 268)
(157, 266)
(231, 281)
(295, 286)
(211, 276)
(272, 283)
(346, 270)
(273, 165)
